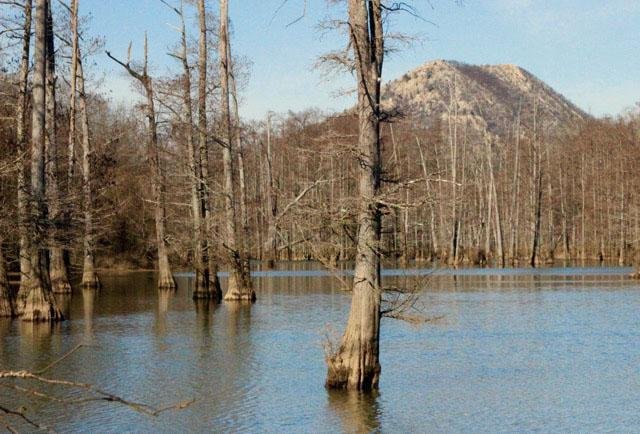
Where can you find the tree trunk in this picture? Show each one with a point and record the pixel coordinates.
(57, 266)
(515, 199)
(537, 214)
(90, 278)
(23, 188)
(71, 153)
(271, 244)
(355, 365)
(240, 286)
(497, 218)
(203, 154)
(39, 304)
(165, 277)
(201, 286)
(237, 135)
(7, 307)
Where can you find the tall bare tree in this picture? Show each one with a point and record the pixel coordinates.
(71, 143)
(57, 267)
(39, 304)
(203, 153)
(355, 364)
(198, 206)
(90, 278)
(21, 140)
(165, 277)
(240, 286)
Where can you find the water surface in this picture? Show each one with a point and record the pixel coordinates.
(556, 349)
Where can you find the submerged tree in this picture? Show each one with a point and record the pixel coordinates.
(240, 285)
(165, 277)
(39, 303)
(22, 161)
(57, 267)
(355, 365)
(204, 288)
(90, 278)
(202, 158)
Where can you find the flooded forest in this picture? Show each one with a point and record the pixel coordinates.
(107, 209)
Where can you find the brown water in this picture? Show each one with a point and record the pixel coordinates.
(516, 350)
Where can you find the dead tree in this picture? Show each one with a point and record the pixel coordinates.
(355, 365)
(39, 303)
(237, 137)
(240, 286)
(201, 287)
(21, 140)
(271, 244)
(165, 278)
(58, 272)
(90, 278)
(71, 144)
(203, 154)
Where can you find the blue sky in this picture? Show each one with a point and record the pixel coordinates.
(589, 50)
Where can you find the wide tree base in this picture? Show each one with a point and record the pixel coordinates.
(58, 272)
(40, 306)
(167, 283)
(238, 295)
(6, 306)
(352, 370)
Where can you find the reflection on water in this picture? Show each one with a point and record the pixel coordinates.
(544, 350)
(358, 412)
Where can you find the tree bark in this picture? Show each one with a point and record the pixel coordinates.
(497, 217)
(23, 188)
(271, 244)
(240, 286)
(57, 267)
(515, 199)
(237, 136)
(71, 153)
(39, 304)
(355, 365)
(90, 278)
(165, 277)
(203, 151)
(201, 287)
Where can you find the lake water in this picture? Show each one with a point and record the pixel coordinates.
(549, 350)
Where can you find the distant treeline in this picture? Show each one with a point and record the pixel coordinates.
(452, 194)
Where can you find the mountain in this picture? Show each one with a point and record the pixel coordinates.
(487, 97)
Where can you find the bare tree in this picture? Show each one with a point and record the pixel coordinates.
(165, 277)
(355, 365)
(240, 286)
(21, 140)
(90, 278)
(198, 207)
(39, 304)
(57, 267)
(271, 243)
(203, 153)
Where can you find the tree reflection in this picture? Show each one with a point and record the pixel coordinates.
(358, 412)
(88, 303)
(164, 297)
